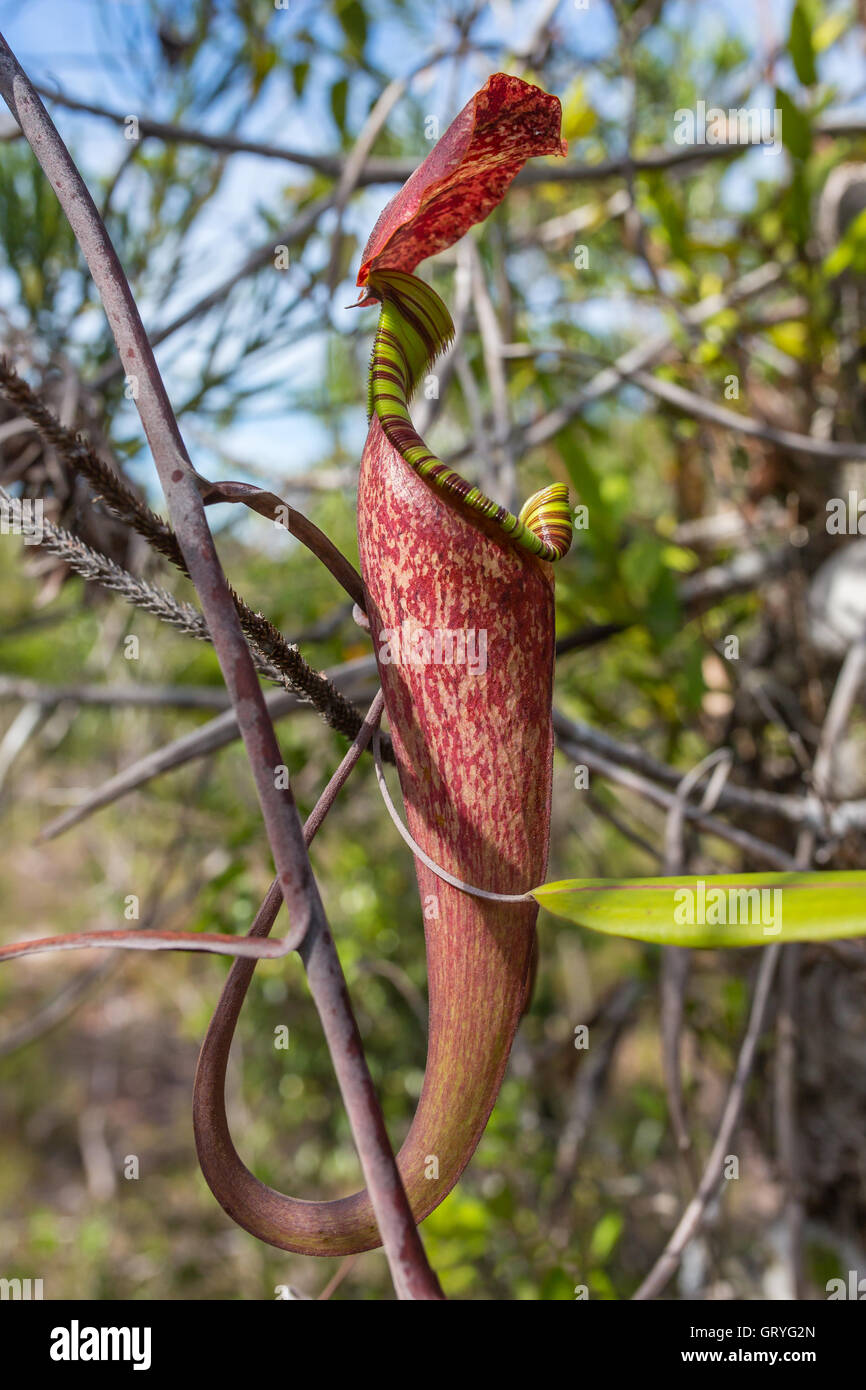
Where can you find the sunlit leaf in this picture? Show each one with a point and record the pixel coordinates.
(791, 337)
(578, 117)
(717, 911)
(606, 1234)
(851, 250)
(825, 34)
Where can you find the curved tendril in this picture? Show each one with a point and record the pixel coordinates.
(414, 327)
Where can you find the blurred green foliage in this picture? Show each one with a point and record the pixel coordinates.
(114, 1078)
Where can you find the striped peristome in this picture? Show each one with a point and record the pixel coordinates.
(414, 327)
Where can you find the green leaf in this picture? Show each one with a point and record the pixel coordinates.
(300, 73)
(717, 911)
(263, 58)
(800, 47)
(791, 337)
(601, 532)
(605, 1235)
(676, 557)
(798, 209)
(353, 23)
(829, 30)
(668, 200)
(796, 129)
(851, 250)
(640, 566)
(838, 260)
(339, 95)
(578, 117)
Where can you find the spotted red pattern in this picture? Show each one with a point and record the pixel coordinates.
(475, 757)
(466, 173)
(474, 748)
